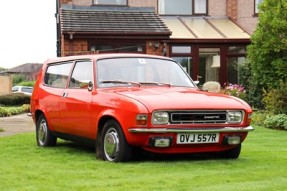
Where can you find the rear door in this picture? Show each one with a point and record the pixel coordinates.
(55, 82)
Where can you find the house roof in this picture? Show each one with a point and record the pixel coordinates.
(111, 20)
(196, 28)
(25, 68)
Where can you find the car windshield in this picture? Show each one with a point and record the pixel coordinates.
(141, 72)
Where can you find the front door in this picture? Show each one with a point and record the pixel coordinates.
(75, 105)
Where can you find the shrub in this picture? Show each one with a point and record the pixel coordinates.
(276, 122)
(8, 111)
(235, 90)
(17, 78)
(14, 99)
(27, 83)
(259, 117)
(275, 100)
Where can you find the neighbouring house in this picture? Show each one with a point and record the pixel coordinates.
(207, 37)
(29, 70)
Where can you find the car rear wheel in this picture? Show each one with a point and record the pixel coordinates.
(113, 145)
(44, 136)
(232, 153)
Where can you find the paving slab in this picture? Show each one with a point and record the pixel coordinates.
(16, 124)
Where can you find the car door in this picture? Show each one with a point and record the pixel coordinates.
(55, 82)
(75, 104)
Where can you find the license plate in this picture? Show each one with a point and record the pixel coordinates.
(197, 138)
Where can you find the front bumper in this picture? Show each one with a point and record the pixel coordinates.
(193, 130)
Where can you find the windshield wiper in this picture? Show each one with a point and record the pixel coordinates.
(154, 83)
(119, 82)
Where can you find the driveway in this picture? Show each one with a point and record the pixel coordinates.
(16, 124)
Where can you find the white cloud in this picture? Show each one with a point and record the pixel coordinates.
(28, 32)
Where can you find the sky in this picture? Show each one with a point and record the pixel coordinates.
(27, 32)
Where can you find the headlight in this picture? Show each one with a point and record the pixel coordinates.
(234, 116)
(160, 118)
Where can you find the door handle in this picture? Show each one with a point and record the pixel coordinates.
(65, 95)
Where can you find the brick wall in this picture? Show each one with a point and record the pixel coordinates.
(153, 50)
(83, 2)
(66, 1)
(145, 3)
(5, 85)
(74, 47)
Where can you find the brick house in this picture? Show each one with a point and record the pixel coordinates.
(207, 37)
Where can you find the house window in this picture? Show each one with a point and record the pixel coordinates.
(256, 4)
(185, 7)
(181, 49)
(110, 2)
(116, 48)
(234, 70)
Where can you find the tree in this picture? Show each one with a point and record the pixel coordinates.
(267, 52)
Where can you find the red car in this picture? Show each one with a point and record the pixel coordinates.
(118, 102)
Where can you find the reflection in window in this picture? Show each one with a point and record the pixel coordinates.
(104, 48)
(172, 7)
(234, 69)
(257, 2)
(236, 49)
(117, 72)
(200, 7)
(110, 2)
(57, 75)
(186, 63)
(209, 65)
(180, 49)
(82, 75)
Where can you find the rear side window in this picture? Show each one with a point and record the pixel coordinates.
(82, 75)
(27, 89)
(57, 75)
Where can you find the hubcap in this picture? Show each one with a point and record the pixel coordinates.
(42, 132)
(111, 144)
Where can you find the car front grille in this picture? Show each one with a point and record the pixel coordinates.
(197, 117)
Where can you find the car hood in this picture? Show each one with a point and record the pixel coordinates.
(182, 98)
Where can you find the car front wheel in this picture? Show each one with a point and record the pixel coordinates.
(113, 144)
(44, 136)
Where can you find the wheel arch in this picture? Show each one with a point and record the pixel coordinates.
(102, 122)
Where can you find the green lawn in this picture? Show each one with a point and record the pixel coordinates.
(262, 165)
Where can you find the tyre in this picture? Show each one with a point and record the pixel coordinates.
(113, 145)
(232, 153)
(44, 136)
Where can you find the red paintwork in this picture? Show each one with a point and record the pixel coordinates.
(80, 114)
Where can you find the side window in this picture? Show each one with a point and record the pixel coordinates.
(82, 75)
(57, 75)
(110, 2)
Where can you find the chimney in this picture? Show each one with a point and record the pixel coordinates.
(231, 9)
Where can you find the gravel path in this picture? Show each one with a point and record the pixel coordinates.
(16, 124)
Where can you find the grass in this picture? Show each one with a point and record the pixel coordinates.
(24, 166)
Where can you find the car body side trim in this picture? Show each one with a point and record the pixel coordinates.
(192, 130)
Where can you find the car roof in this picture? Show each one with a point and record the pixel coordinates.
(103, 56)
